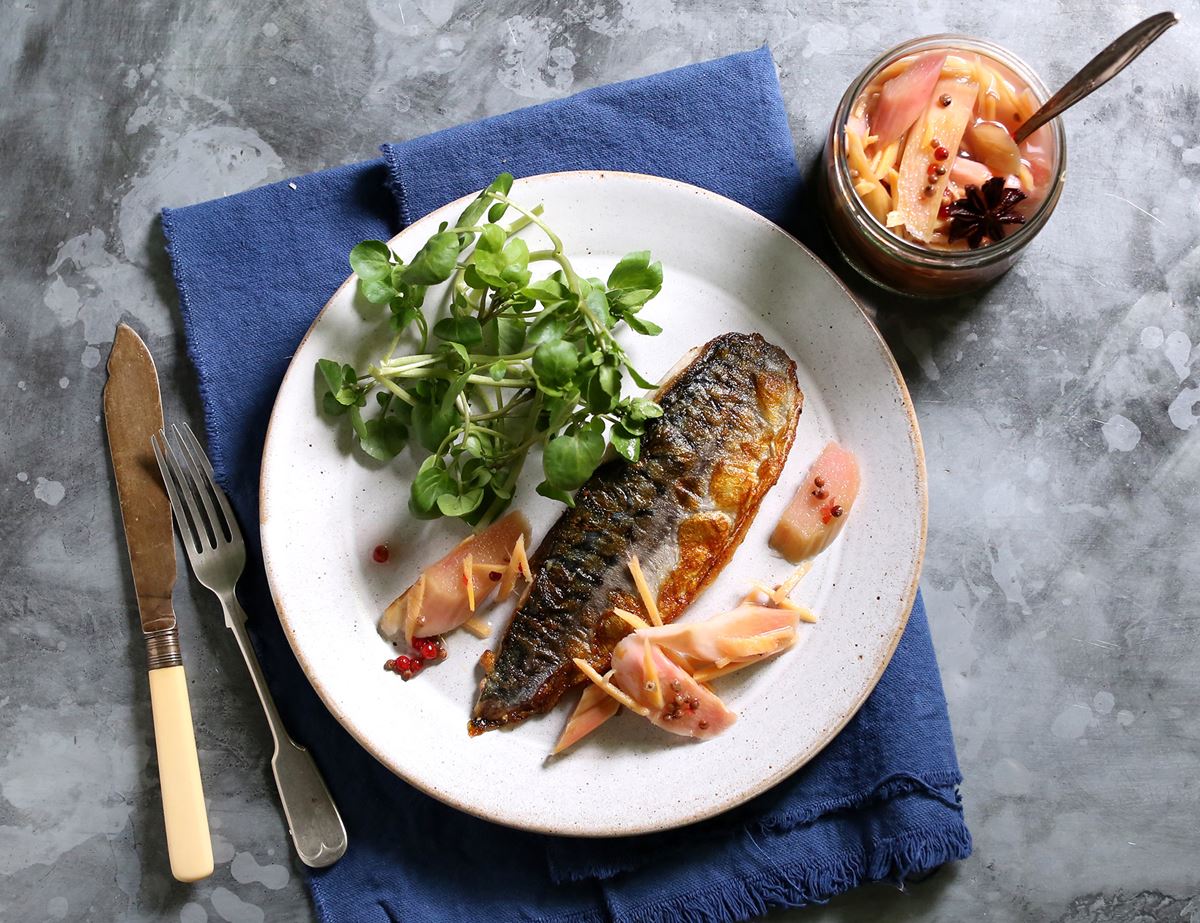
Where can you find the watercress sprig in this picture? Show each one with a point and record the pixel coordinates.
(509, 363)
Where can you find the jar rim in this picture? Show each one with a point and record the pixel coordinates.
(928, 256)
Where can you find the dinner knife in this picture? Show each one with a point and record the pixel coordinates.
(132, 412)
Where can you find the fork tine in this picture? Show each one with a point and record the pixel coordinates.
(212, 522)
(192, 444)
(183, 515)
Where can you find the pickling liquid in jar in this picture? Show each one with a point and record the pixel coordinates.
(926, 191)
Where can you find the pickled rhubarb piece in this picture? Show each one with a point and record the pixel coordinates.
(687, 708)
(438, 601)
(969, 172)
(920, 193)
(593, 709)
(905, 97)
(817, 513)
(748, 631)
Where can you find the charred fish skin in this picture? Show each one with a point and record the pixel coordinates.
(727, 426)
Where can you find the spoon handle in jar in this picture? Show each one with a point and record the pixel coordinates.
(1098, 71)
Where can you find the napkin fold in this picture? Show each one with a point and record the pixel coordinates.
(253, 269)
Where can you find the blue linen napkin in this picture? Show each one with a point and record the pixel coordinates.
(253, 269)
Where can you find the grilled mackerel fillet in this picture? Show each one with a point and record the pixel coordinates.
(727, 425)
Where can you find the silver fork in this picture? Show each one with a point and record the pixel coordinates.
(215, 547)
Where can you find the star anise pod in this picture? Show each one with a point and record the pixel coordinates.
(984, 212)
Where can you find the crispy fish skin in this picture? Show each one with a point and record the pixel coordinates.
(683, 508)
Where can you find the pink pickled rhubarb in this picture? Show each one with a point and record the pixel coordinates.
(905, 97)
(685, 708)
(969, 172)
(809, 524)
(719, 638)
(444, 604)
(944, 124)
(594, 708)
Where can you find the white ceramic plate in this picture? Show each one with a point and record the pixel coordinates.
(325, 508)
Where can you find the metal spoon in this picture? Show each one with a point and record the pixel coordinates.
(1098, 71)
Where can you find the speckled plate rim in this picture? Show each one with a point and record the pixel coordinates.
(788, 768)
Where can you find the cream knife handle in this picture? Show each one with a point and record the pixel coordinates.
(188, 843)
(313, 819)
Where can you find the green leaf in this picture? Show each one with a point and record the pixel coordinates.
(498, 370)
(408, 296)
(343, 383)
(464, 330)
(472, 213)
(358, 423)
(609, 377)
(554, 362)
(632, 426)
(404, 316)
(501, 184)
(376, 291)
(372, 260)
(478, 446)
(553, 493)
(629, 301)
(456, 349)
(473, 279)
(475, 471)
(511, 334)
(496, 212)
(570, 460)
(451, 505)
(598, 304)
(628, 445)
(401, 410)
(516, 261)
(431, 423)
(638, 378)
(491, 240)
(385, 437)
(552, 324)
(332, 406)
(603, 389)
(430, 483)
(641, 325)
(332, 373)
(635, 271)
(642, 408)
(548, 291)
(435, 262)
(499, 263)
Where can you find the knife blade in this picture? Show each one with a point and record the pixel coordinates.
(132, 413)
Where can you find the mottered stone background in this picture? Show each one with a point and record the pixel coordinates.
(1059, 413)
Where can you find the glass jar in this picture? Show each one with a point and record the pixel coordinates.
(893, 262)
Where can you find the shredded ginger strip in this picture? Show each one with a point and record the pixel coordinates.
(643, 588)
(602, 681)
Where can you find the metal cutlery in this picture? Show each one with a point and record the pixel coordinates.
(132, 414)
(1098, 71)
(217, 553)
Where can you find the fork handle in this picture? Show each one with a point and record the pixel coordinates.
(313, 819)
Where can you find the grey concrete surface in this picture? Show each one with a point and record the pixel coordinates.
(1058, 411)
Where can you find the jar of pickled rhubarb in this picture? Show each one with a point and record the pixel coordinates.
(924, 189)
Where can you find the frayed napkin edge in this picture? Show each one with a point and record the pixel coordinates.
(939, 785)
(800, 884)
(176, 258)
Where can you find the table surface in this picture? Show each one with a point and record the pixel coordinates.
(1058, 411)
